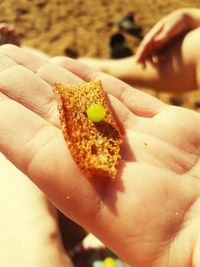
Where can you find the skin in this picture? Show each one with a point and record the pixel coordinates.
(35, 219)
(168, 52)
(152, 209)
(166, 30)
(27, 219)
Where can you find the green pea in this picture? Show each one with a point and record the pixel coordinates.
(109, 262)
(96, 112)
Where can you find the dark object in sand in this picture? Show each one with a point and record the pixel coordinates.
(128, 24)
(117, 39)
(118, 49)
(176, 101)
(197, 105)
(70, 52)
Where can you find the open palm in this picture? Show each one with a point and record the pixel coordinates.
(150, 215)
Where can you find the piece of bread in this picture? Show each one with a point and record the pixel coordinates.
(95, 147)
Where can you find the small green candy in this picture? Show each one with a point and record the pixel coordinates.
(109, 262)
(96, 112)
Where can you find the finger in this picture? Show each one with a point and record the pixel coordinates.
(169, 32)
(38, 149)
(23, 57)
(31, 91)
(28, 89)
(135, 100)
(146, 47)
(52, 73)
(125, 118)
(162, 36)
(5, 62)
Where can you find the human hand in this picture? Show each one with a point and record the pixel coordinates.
(163, 33)
(150, 214)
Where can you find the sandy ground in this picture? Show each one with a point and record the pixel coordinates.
(83, 27)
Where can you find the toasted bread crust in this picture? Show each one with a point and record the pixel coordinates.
(95, 147)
